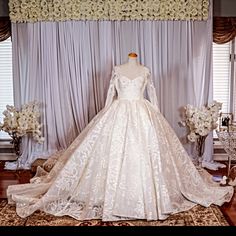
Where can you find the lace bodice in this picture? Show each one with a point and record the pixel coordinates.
(121, 87)
(130, 89)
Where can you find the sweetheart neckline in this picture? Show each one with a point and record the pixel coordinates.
(133, 78)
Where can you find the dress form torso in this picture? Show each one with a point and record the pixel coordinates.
(132, 69)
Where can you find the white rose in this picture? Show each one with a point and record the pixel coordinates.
(192, 137)
(6, 113)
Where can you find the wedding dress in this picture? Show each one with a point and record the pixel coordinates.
(126, 164)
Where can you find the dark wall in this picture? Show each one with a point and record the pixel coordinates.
(224, 8)
(4, 8)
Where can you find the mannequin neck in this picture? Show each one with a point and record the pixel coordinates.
(132, 61)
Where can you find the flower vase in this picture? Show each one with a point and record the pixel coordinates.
(16, 141)
(200, 148)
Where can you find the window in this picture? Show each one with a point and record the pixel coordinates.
(6, 82)
(224, 76)
(221, 75)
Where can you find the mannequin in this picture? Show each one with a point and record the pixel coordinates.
(132, 69)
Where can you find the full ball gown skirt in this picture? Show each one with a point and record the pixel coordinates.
(127, 163)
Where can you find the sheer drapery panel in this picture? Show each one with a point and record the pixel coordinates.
(67, 67)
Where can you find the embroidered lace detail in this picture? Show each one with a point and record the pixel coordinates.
(126, 164)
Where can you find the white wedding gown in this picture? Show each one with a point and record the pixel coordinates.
(126, 164)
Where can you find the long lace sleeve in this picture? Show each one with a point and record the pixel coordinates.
(111, 93)
(151, 91)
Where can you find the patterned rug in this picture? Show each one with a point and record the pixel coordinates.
(197, 216)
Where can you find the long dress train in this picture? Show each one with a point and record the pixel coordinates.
(127, 163)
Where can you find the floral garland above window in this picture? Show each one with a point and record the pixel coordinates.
(61, 10)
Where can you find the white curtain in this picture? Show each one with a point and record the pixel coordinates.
(67, 67)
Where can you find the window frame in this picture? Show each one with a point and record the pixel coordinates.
(5, 138)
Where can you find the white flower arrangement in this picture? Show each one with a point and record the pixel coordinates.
(200, 121)
(62, 10)
(18, 123)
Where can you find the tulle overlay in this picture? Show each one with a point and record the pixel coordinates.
(127, 164)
